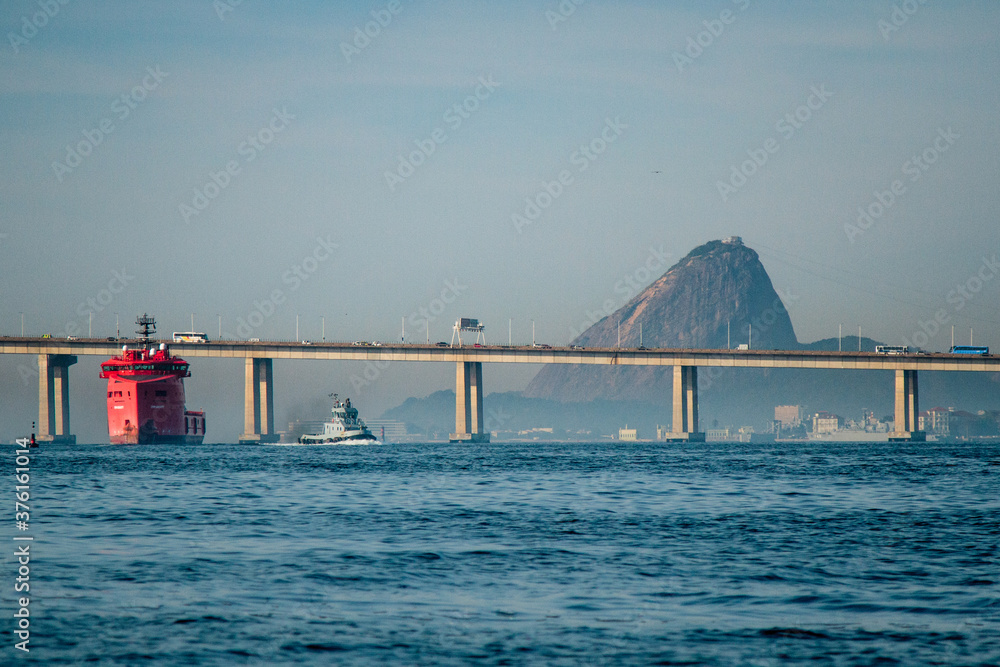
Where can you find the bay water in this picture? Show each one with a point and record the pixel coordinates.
(512, 553)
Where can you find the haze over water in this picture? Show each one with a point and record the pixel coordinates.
(715, 554)
(199, 161)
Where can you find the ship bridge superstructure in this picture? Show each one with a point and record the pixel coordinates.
(151, 363)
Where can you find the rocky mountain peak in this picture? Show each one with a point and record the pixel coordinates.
(719, 290)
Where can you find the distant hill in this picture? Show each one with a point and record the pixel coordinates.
(718, 293)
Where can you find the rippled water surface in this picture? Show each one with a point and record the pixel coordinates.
(720, 554)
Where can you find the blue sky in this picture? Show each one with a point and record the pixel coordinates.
(288, 136)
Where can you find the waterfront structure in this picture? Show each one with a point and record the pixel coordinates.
(937, 420)
(55, 357)
(825, 422)
(717, 435)
(392, 428)
(788, 415)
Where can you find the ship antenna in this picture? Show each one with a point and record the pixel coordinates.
(147, 324)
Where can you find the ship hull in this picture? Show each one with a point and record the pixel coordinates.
(359, 438)
(150, 410)
(157, 439)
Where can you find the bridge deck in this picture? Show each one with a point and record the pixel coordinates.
(521, 354)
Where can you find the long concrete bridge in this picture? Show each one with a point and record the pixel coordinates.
(55, 356)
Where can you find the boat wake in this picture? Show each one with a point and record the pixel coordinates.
(340, 443)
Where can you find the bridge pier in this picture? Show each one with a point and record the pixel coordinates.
(53, 398)
(907, 409)
(685, 422)
(258, 402)
(469, 403)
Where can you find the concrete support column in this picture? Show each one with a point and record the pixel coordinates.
(265, 391)
(907, 408)
(258, 401)
(685, 412)
(53, 398)
(469, 403)
(251, 398)
(476, 396)
(46, 399)
(463, 409)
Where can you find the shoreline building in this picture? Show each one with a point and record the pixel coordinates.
(826, 422)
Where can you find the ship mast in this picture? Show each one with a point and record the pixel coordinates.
(147, 324)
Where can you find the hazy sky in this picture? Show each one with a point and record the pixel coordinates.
(366, 162)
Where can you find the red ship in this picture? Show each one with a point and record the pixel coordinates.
(146, 395)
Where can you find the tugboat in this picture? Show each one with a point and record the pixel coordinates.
(344, 427)
(146, 395)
